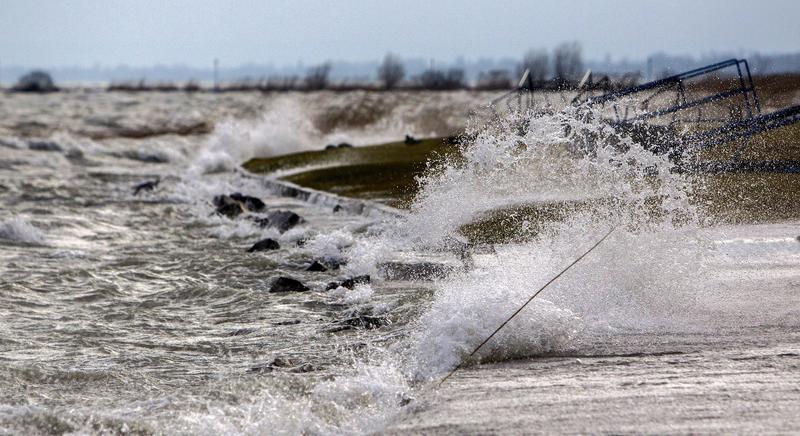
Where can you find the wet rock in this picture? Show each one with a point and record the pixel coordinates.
(290, 322)
(359, 322)
(282, 220)
(264, 245)
(227, 206)
(285, 364)
(349, 283)
(250, 203)
(39, 145)
(410, 140)
(262, 367)
(316, 266)
(334, 262)
(338, 208)
(366, 321)
(277, 363)
(345, 145)
(146, 186)
(306, 367)
(233, 205)
(405, 400)
(330, 146)
(287, 284)
(282, 362)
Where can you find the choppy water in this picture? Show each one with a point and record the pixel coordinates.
(145, 314)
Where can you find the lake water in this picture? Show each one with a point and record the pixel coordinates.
(145, 314)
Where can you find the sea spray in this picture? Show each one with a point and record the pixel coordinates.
(642, 281)
(19, 229)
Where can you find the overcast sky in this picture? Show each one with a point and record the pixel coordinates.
(145, 32)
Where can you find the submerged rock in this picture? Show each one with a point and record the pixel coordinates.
(345, 145)
(264, 244)
(417, 270)
(349, 283)
(289, 322)
(287, 284)
(146, 186)
(359, 322)
(330, 146)
(40, 145)
(282, 220)
(283, 363)
(316, 266)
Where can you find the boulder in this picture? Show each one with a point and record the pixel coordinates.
(233, 205)
(287, 284)
(365, 321)
(282, 220)
(40, 145)
(250, 203)
(316, 266)
(35, 81)
(146, 186)
(264, 244)
(227, 206)
(349, 283)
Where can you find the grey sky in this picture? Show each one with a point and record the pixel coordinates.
(146, 32)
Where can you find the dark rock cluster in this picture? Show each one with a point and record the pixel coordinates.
(349, 283)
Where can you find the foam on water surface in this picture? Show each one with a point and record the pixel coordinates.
(156, 309)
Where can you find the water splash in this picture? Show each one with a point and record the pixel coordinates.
(641, 279)
(18, 229)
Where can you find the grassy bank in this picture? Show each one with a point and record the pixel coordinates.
(387, 173)
(384, 172)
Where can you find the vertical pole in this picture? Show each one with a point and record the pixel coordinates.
(216, 75)
(752, 87)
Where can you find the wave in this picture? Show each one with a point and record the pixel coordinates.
(18, 229)
(642, 279)
(300, 122)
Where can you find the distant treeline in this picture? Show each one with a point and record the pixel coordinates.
(563, 71)
(560, 68)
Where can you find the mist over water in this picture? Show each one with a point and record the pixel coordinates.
(145, 314)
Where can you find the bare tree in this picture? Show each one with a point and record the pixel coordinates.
(391, 71)
(538, 63)
(317, 77)
(567, 62)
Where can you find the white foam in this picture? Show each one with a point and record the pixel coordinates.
(19, 229)
(329, 246)
(641, 279)
(360, 293)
